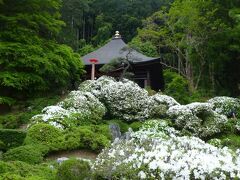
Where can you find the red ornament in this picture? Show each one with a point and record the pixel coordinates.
(93, 60)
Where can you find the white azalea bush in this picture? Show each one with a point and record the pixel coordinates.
(157, 152)
(215, 142)
(159, 104)
(53, 115)
(85, 104)
(95, 86)
(123, 99)
(126, 100)
(197, 119)
(238, 125)
(225, 105)
(79, 107)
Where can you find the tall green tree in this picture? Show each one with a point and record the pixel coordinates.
(95, 21)
(30, 59)
(196, 38)
(76, 15)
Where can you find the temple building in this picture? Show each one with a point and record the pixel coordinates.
(147, 70)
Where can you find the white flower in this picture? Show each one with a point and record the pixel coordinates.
(195, 117)
(151, 154)
(225, 105)
(142, 175)
(76, 107)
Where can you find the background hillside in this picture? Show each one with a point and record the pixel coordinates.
(42, 42)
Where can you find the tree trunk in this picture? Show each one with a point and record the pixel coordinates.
(211, 74)
(83, 26)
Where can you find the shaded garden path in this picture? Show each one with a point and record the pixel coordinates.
(73, 153)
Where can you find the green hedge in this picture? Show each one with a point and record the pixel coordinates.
(74, 169)
(94, 137)
(31, 154)
(85, 138)
(44, 134)
(18, 170)
(12, 138)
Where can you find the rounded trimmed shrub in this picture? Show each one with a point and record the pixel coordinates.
(31, 154)
(79, 108)
(197, 119)
(157, 151)
(26, 171)
(84, 105)
(11, 138)
(74, 169)
(44, 134)
(10, 176)
(227, 106)
(123, 99)
(136, 126)
(85, 137)
(159, 104)
(95, 86)
(126, 100)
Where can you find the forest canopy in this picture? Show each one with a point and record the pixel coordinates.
(197, 39)
(42, 41)
(31, 60)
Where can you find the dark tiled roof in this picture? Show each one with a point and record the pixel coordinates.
(113, 50)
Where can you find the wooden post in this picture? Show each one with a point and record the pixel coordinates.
(93, 61)
(148, 78)
(145, 83)
(93, 71)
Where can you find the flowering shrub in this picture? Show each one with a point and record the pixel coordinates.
(159, 104)
(126, 100)
(215, 142)
(95, 86)
(85, 105)
(78, 107)
(197, 119)
(225, 105)
(157, 152)
(238, 125)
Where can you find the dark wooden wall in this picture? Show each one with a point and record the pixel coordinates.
(148, 70)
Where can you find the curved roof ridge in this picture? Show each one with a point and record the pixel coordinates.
(113, 50)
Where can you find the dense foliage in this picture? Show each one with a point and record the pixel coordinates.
(29, 154)
(157, 151)
(161, 148)
(199, 40)
(93, 22)
(74, 169)
(18, 170)
(126, 100)
(11, 138)
(92, 137)
(30, 59)
(24, 110)
(78, 108)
